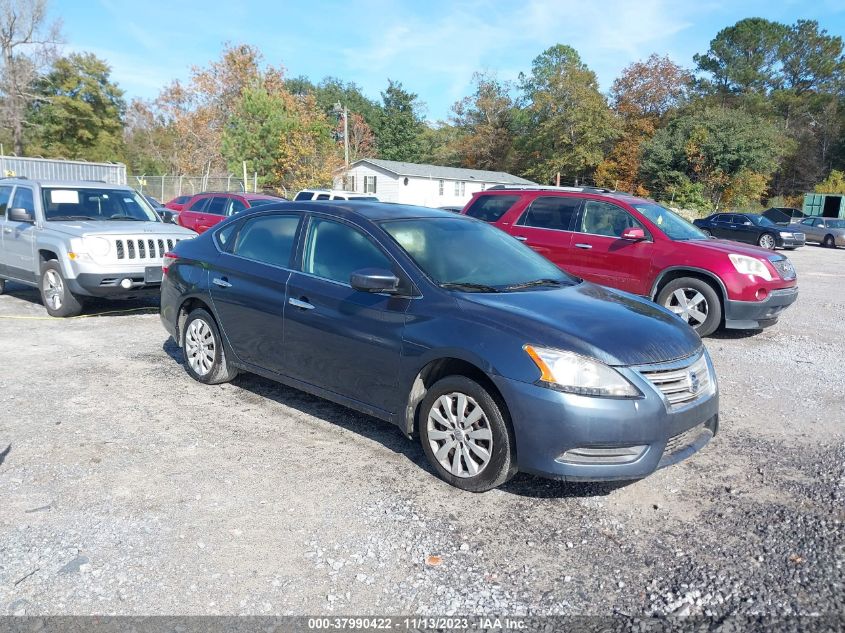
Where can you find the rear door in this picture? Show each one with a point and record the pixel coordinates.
(546, 226)
(19, 239)
(213, 213)
(600, 254)
(235, 205)
(722, 226)
(248, 284)
(191, 213)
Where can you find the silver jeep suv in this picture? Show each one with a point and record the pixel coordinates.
(81, 239)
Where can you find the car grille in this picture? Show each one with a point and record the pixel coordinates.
(682, 440)
(784, 267)
(148, 248)
(684, 385)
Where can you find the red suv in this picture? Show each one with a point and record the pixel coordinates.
(205, 210)
(634, 244)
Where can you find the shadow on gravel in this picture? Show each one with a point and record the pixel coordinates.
(526, 485)
(5, 454)
(93, 306)
(734, 335)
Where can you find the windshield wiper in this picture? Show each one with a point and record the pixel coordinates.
(125, 217)
(535, 283)
(471, 287)
(70, 217)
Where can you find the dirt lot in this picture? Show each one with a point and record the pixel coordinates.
(128, 488)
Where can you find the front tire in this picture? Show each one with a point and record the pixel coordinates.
(695, 302)
(767, 240)
(706, 232)
(55, 295)
(205, 358)
(829, 242)
(466, 435)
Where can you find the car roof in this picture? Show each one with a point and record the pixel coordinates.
(591, 192)
(367, 209)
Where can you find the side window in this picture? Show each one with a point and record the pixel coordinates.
(224, 236)
(808, 222)
(551, 212)
(217, 206)
(5, 194)
(818, 222)
(323, 196)
(741, 219)
(491, 208)
(23, 199)
(199, 205)
(335, 251)
(723, 218)
(303, 195)
(234, 206)
(603, 218)
(268, 239)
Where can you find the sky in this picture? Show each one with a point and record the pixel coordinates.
(432, 47)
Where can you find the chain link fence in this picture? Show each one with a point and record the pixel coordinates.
(166, 188)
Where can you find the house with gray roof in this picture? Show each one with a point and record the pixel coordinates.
(412, 183)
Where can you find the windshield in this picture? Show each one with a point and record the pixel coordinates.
(473, 256)
(673, 225)
(760, 220)
(84, 203)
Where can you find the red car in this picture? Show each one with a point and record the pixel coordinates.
(634, 244)
(177, 203)
(205, 210)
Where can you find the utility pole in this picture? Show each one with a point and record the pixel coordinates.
(342, 111)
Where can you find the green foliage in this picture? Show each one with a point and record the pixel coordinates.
(400, 128)
(834, 183)
(79, 111)
(565, 124)
(688, 195)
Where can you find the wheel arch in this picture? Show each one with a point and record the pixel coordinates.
(186, 307)
(671, 274)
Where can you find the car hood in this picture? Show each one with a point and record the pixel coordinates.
(615, 327)
(82, 228)
(728, 246)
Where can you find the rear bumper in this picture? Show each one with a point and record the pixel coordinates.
(109, 284)
(752, 315)
(578, 438)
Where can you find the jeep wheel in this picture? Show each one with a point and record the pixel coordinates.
(55, 295)
(205, 358)
(695, 302)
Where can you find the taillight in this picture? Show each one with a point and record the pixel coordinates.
(169, 259)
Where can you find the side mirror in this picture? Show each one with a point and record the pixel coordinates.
(374, 280)
(21, 215)
(634, 233)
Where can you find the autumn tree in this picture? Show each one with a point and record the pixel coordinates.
(27, 46)
(362, 140)
(565, 124)
(484, 125)
(78, 111)
(152, 145)
(642, 97)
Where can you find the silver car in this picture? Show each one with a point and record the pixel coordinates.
(828, 232)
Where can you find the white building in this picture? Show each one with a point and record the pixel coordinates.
(426, 185)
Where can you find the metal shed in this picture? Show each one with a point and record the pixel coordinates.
(828, 205)
(56, 169)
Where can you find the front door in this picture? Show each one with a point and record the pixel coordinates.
(5, 196)
(248, 283)
(599, 253)
(19, 239)
(336, 337)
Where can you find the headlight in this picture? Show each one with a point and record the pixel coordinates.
(750, 266)
(573, 373)
(787, 235)
(97, 246)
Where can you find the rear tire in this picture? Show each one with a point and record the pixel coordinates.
(695, 302)
(767, 240)
(466, 435)
(829, 242)
(205, 358)
(55, 295)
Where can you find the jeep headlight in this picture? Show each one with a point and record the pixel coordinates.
(97, 246)
(573, 373)
(746, 265)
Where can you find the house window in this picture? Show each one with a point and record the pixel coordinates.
(440, 187)
(369, 184)
(457, 188)
(463, 187)
(349, 183)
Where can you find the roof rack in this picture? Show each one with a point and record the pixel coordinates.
(551, 188)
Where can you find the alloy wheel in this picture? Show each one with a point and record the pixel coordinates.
(459, 435)
(767, 241)
(54, 289)
(200, 346)
(690, 305)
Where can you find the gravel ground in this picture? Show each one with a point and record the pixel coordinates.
(128, 488)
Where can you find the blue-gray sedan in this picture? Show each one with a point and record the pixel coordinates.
(450, 329)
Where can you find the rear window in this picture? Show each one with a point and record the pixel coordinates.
(198, 205)
(491, 208)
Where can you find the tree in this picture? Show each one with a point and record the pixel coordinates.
(565, 124)
(362, 141)
(400, 126)
(643, 96)
(811, 59)
(719, 148)
(79, 112)
(27, 45)
(152, 146)
(834, 183)
(484, 125)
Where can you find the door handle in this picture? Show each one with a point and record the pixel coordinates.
(299, 303)
(521, 238)
(221, 282)
(587, 246)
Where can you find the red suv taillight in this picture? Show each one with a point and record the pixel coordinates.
(169, 259)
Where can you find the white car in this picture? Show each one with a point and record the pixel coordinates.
(332, 194)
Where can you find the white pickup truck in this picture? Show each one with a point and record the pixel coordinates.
(81, 239)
